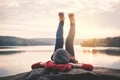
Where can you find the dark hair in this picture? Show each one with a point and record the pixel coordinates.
(61, 56)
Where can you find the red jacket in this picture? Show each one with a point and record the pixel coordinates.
(52, 65)
(59, 67)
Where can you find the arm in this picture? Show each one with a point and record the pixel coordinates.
(38, 65)
(58, 67)
(76, 65)
(52, 65)
(84, 66)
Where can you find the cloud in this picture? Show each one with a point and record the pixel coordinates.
(95, 14)
(102, 16)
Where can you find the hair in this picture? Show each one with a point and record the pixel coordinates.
(61, 56)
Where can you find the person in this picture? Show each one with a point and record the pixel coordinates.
(63, 59)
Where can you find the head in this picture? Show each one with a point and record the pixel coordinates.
(61, 56)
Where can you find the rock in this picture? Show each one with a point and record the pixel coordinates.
(98, 73)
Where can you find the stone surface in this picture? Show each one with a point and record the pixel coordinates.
(98, 73)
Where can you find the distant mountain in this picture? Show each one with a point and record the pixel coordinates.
(101, 42)
(12, 41)
(16, 41)
(41, 41)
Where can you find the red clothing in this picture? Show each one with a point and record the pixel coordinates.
(52, 65)
(59, 67)
(88, 67)
(37, 65)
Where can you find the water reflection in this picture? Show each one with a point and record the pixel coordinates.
(7, 47)
(9, 52)
(113, 52)
(3, 71)
(100, 56)
(19, 59)
(116, 64)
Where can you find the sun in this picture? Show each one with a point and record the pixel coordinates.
(84, 31)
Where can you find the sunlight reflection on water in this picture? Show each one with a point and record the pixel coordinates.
(19, 59)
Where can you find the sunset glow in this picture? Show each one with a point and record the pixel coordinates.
(39, 18)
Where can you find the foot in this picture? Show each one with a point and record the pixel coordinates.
(71, 17)
(73, 60)
(61, 16)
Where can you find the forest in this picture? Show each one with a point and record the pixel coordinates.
(100, 42)
(16, 41)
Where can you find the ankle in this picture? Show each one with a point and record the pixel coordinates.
(61, 21)
(72, 24)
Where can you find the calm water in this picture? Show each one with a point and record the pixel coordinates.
(14, 60)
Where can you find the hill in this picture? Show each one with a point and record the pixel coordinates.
(16, 41)
(100, 42)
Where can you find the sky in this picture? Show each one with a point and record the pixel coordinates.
(39, 18)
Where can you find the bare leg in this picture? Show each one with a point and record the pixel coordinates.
(70, 38)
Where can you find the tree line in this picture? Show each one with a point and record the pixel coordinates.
(102, 42)
(16, 41)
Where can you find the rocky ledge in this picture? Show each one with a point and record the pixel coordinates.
(98, 73)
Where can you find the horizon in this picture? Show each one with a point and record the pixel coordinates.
(54, 37)
(39, 19)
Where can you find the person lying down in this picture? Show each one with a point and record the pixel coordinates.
(63, 59)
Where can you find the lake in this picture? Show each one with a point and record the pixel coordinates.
(18, 59)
